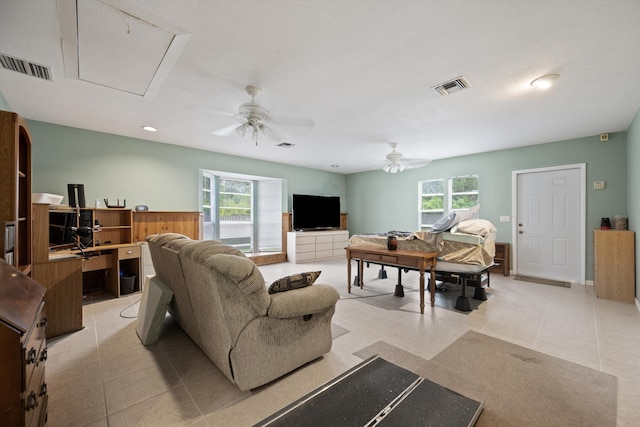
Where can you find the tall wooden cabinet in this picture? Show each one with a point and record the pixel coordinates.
(15, 191)
(614, 258)
(23, 350)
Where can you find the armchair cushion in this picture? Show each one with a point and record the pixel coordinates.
(294, 281)
(303, 301)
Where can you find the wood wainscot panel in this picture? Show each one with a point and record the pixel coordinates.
(147, 223)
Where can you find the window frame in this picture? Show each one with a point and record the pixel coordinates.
(422, 226)
(214, 229)
(447, 196)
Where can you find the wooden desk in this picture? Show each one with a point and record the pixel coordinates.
(414, 260)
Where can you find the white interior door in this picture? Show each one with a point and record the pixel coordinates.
(549, 223)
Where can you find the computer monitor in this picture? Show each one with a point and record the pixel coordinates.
(76, 195)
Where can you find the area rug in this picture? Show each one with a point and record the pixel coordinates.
(543, 281)
(380, 293)
(519, 386)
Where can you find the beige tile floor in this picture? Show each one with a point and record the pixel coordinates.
(103, 376)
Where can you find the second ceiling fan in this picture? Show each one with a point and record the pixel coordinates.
(396, 162)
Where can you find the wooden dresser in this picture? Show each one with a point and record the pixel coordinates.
(23, 350)
(614, 260)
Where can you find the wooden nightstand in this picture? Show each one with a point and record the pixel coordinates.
(503, 258)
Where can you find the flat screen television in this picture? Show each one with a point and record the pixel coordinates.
(316, 212)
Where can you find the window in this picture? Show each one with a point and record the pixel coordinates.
(242, 211)
(431, 202)
(462, 193)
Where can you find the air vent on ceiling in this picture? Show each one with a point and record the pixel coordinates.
(286, 145)
(25, 67)
(452, 86)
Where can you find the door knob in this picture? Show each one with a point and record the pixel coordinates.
(519, 225)
(520, 232)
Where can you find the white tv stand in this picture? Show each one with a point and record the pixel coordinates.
(307, 246)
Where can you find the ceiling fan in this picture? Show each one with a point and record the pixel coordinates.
(253, 119)
(396, 162)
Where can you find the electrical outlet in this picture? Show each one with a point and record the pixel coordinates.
(598, 185)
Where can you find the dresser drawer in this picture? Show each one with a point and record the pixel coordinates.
(324, 239)
(327, 246)
(305, 240)
(33, 347)
(100, 262)
(129, 252)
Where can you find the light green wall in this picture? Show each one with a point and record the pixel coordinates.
(166, 177)
(162, 176)
(633, 183)
(4, 105)
(379, 202)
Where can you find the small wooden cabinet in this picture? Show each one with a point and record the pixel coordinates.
(15, 191)
(614, 260)
(503, 258)
(23, 350)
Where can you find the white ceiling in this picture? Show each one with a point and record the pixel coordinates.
(358, 73)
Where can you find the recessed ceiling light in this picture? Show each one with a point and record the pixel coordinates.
(149, 128)
(545, 82)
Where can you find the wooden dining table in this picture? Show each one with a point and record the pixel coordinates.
(413, 260)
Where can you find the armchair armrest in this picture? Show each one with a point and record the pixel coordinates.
(299, 302)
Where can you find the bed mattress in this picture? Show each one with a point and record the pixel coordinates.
(459, 248)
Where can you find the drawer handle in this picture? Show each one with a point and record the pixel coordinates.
(43, 389)
(32, 402)
(43, 355)
(31, 356)
(43, 322)
(129, 252)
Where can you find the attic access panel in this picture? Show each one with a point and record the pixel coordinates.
(118, 50)
(121, 47)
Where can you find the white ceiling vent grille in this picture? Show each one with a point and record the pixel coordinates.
(452, 86)
(25, 67)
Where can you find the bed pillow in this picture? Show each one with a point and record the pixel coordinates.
(444, 223)
(480, 227)
(294, 281)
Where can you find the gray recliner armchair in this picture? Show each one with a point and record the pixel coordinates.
(221, 301)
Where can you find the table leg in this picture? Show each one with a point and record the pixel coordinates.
(361, 273)
(422, 290)
(432, 283)
(349, 275)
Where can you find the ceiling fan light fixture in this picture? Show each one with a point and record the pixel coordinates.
(393, 167)
(242, 129)
(545, 82)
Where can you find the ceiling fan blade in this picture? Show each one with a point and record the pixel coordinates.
(413, 164)
(225, 131)
(295, 121)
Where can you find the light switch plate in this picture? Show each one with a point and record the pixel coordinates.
(505, 218)
(598, 185)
